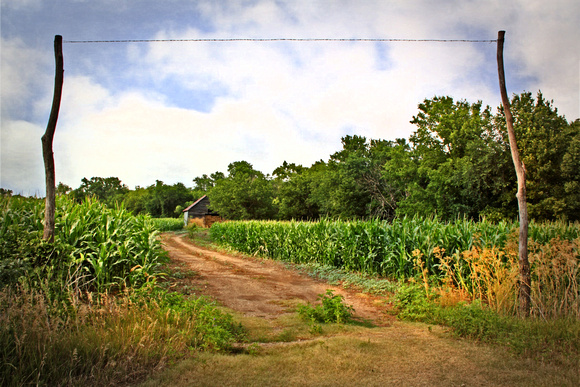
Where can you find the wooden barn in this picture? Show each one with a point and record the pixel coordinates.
(200, 213)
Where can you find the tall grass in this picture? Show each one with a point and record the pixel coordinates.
(103, 340)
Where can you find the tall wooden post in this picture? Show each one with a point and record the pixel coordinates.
(525, 279)
(47, 140)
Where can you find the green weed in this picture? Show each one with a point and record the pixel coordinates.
(331, 310)
(555, 340)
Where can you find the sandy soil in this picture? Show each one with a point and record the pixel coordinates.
(259, 287)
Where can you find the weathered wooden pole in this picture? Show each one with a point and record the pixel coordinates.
(47, 140)
(525, 279)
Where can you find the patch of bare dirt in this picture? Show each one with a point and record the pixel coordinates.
(260, 287)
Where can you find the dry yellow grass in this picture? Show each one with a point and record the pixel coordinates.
(404, 354)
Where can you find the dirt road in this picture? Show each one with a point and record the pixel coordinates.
(259, 287)
(264, 295)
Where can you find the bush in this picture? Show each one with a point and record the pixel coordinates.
(556, 340)
(331, 310)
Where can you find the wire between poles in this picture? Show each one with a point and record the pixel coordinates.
(283, 40)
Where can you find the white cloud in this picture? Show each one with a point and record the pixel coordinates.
(281, 101)
(22, 76)
(21, 165)
(140, 140)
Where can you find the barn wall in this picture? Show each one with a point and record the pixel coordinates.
(200, 209)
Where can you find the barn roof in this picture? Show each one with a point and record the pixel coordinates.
(194, 204)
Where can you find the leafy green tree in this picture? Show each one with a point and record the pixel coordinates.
(547, 144)
(457, 162)
(570, 170)
(337, 193)
(63, 189)
(293, 185)
(163, 199)
(364, 162)
(135, 200)
(244, 194)
(205, 183)
(108, 190)
(287, 171)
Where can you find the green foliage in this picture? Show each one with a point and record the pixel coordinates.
(335, 276)
(549, 147)
(205, 183)
(168, 224)
(20, 236)
(55, 330)
(372, 247)
(244, 194)
(457, 163)
(294, 186)
(108, 190)
(554, 340)
(413, 304)
(111, 245)
(102, 246)
(332, 309)
(163, 199)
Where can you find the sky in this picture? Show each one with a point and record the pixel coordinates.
(173, 111)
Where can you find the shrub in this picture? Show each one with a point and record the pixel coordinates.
(331, 310)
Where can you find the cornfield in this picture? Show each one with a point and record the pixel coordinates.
(101, 245)
(478, 258)
(374, 247)
(168, 224)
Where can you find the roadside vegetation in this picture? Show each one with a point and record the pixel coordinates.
(90, 308)
(462, 275)
(103, 306)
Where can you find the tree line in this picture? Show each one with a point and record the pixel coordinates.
(457, 163)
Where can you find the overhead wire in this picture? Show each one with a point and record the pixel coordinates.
(284, 40)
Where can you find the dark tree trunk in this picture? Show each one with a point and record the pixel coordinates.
(525, 279)
(47, 140)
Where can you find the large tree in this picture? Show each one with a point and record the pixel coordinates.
(363, 184)
(108, 190)
(547, 144)
(244, 194)
(163, 199)
(570, 170)
(457, 162)
(293, 187)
